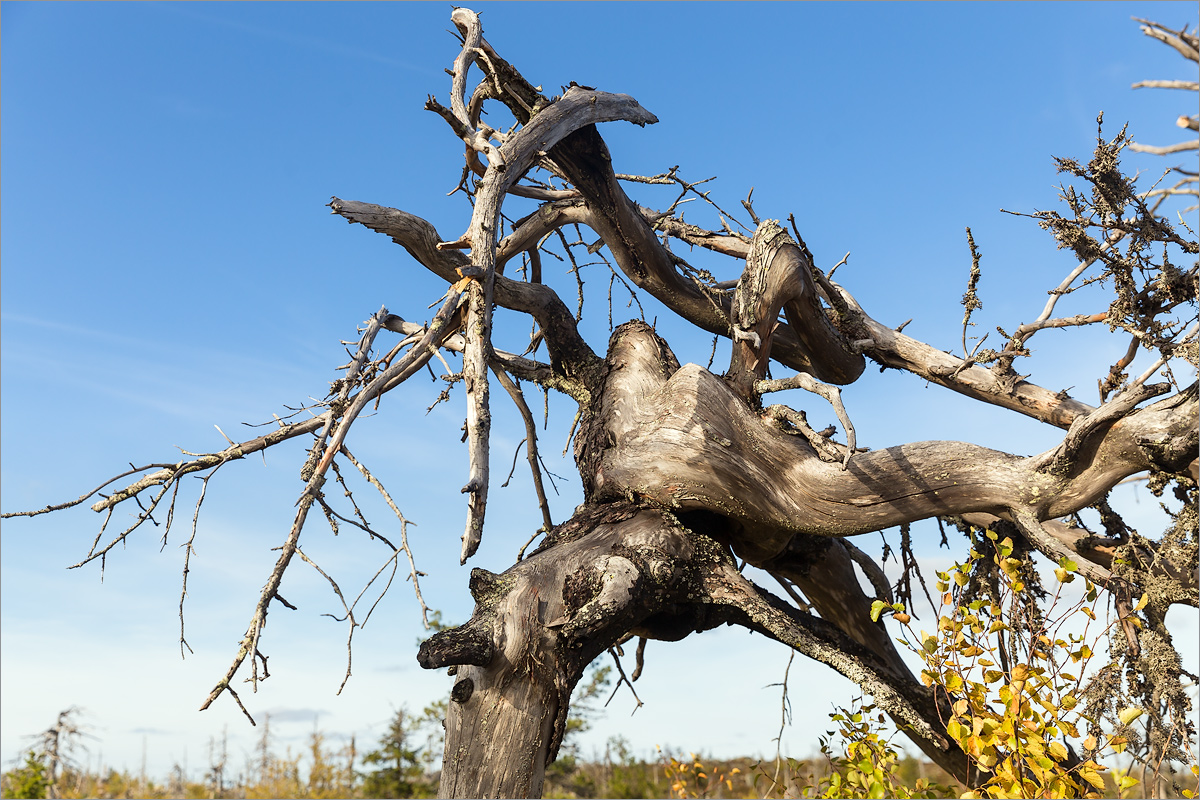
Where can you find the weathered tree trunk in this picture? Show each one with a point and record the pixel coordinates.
(535, 629)
(626, 567)
(686, 472)
(682, 476)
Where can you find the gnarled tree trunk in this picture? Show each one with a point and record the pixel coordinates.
(686, 472)
(683, 478)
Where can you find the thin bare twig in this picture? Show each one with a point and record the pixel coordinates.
(349, 614)
(397, 372)
(531, 451)
(785, 715)
(414, 574)
(621, 671)
(188, 550)
(71, 503)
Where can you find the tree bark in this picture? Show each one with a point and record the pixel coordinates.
(684, 471)
(681, 474)
(599, 577)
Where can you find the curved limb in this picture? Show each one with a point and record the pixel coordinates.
(610, 573)
(683, 439)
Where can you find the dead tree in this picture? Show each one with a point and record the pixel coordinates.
(689, 474)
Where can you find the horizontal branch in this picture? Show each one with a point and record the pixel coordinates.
(1192, 86)
(86, 495)
(573, 362)
(1061, 322)
(894, 349)
(724, 243)
(686, 441)
(204, 461)
(1182, 147)
(529, 230)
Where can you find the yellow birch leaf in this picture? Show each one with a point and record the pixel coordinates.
(1128, 715)
(1092, 777)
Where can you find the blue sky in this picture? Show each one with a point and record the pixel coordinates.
(169, 265)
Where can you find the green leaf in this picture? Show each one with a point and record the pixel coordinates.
(877, 609)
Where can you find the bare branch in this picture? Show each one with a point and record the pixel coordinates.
(348, 618)
(397, 372)
(188, 551)
(831, 393)
(650, 452)
(571, 358)
(1192, 86)
(531, 451)
(1181, 147)
(86, 495)
(1184, 42)
(413, 572)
